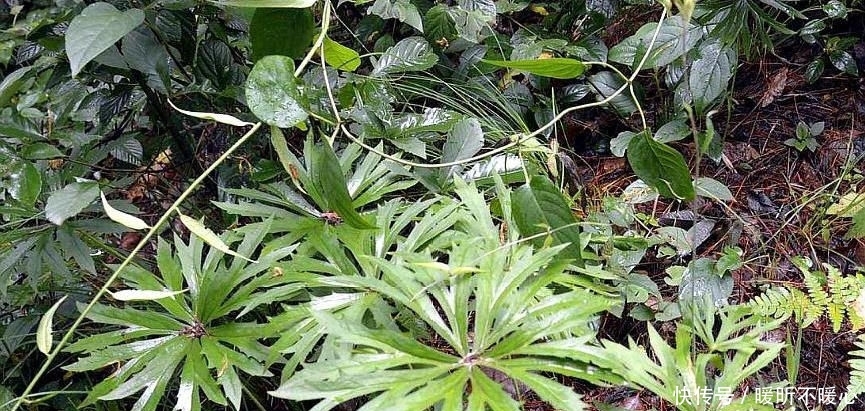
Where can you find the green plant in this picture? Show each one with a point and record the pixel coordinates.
(857, 375)
(831, 293)
(191, 326)
(806, 136)
(733, 350)
(483, 313)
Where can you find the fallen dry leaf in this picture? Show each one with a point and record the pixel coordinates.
(775, 87)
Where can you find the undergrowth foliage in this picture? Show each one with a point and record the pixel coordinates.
(397, 233)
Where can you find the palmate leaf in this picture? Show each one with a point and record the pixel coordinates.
(508, 322)
(188, 340)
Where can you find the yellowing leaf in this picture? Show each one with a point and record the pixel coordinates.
(219, 118)
(44, 339)
(143, 295)
(208, 236)
(129, 221)
(848, 205)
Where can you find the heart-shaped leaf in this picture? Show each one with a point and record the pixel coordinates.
(272, 94)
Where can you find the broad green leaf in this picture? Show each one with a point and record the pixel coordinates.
(328, 179)
(272, 94)
(340, 57)
(219, 118)
(539, 208)
(560, 68)
(814, 70)
(711, 72)
(209, 236)
(296, 4)
(463, 141)
(835, 9)
(671, 43)
(660, 166)
(281, 32)
(858, 229)
(711, 188)
(143, 295)
(40, 151)
(606, 84)
(12, 83)
(673, 130)
(438, 25)
(702, 281)
(848, 205)
(410, 54)
(402, 10)
(25, 183)
(97, 28)
(70, 200)
(129, 221)
(44, 337)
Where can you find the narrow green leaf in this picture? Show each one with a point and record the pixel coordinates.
(660, 166)
(281, 32)
(209, 236)
(539, 207)
(339, 56)
(219, 118)
(97, 28)
(328, 179)
(272, 94)
(70, 200)
(129, 221)
(143, 295)
(44, 339)
(560, 68)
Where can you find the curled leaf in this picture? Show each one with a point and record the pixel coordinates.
(219, 118)
(129, 221)
(209, 236)
(44, 339)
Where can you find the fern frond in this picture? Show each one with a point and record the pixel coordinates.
(776, 302)
(857, 375)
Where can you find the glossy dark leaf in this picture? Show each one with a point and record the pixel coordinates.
(281, 32)
(272, 93)
(660, 166)
(538, 208)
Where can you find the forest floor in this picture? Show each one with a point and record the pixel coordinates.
(779, 210)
